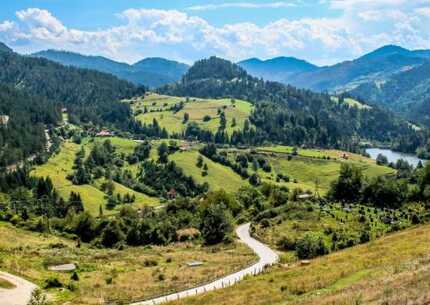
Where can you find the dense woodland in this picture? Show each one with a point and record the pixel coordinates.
(33, 92)
(24, 134)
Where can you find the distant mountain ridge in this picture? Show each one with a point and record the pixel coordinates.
(276, 69)
(151, 72)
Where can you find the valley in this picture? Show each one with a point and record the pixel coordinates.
(216, 187)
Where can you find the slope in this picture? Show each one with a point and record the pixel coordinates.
(363, 274)
(151, 72)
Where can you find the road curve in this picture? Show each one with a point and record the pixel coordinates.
(20, 295)
(266, 256)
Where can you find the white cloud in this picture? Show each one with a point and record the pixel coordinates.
(363, 25)
(425, 11)
(247, 5)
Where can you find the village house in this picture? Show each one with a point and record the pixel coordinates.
(104, 133)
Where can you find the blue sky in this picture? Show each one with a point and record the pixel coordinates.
(321, 31)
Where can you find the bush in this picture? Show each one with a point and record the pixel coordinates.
(53, 282)
(311, 245)
(287, 243)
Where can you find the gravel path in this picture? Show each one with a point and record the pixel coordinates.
(20, 295)
(267, 257)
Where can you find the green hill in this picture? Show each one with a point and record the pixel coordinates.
(360, 275)
(159, 107)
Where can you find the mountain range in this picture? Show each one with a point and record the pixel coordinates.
(151, 72)
(392, 76)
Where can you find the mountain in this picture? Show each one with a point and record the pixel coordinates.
(277, 69)
(291, 116)
(171, 70)
(377, 66)
(407, 93)
(4, 48)
(33, 90)
(151, 72)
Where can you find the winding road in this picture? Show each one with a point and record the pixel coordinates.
(267, 257)
(20, 295)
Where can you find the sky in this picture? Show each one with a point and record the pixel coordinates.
(321, 31)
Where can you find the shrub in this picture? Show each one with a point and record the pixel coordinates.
(311, 245)
(53, 282)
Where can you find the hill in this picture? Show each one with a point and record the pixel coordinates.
(375, 66)
(89, 96)
(407, 93)
(151, 72)
(169, 112)
(279, 69)
(362, 274)
(289, 115)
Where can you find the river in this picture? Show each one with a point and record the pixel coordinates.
(393, 156)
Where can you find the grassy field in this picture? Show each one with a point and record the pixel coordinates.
(315, 164)
(158, 107)
(129, 274)
(390, 270)
(60, 165)
(219, 176)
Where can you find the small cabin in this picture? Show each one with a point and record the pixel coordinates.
(104, 133)
(4, 119)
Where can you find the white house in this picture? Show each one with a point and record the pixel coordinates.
(4, 119)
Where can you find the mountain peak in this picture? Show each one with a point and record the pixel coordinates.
(214, 68)
(387, 50)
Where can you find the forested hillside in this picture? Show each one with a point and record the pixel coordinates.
(88, 95)
(34, 90)
(294, 116)
(24, 133)
(408, 93)
(150, 72)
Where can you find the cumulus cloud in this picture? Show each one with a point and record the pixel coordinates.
(362, 25)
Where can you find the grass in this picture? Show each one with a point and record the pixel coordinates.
(351, 102)
(4, 284)
(60, 166)
(347, 223)
(218, 177)
(310, 164)
(106, 274)
(196, 108)
(390, 270)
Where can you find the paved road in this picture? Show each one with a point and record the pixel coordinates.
(20, 295)
(267, 257)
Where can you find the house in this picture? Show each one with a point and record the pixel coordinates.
(184, 147)
(104, 133)
(4, 119)
(172, 194)
(64, 110)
